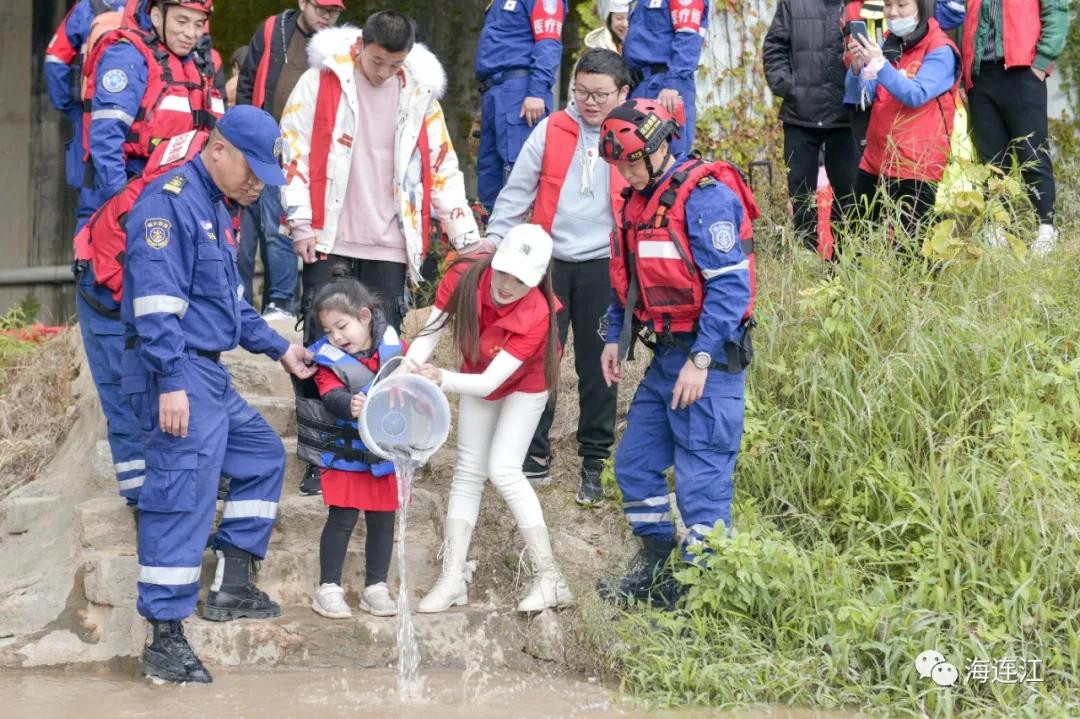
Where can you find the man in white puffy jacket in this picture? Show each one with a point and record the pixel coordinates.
(367, 161)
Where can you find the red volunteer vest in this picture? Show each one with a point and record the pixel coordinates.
(1020, 34)
(178, 98)
(102, 241)
(560, 143)
(258, 95)
(327, 102)
(671, 288)
(911, 143)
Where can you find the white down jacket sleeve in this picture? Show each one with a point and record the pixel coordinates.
(296, 126)
(448, 198)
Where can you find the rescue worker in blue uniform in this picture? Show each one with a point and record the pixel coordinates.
(688, 409)
(120, 82)
(133, 107)
(63, 77)
(663, 48)
(517, 56)
(183, 307)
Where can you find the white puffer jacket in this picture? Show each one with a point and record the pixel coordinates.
(423, 82)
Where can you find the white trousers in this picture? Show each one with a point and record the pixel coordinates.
(493, 438)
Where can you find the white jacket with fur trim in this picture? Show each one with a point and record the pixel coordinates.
(419, 125)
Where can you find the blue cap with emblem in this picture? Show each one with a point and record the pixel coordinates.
(256, 134)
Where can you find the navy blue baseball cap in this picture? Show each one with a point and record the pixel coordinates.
(256, 134)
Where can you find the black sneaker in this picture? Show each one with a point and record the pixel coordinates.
(311, 484)
(249, 602)
(590, 493)
(169, 656)
(538, 474)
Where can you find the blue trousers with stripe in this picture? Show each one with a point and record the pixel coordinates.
(701, 442)
(503, 132)
(178, 500)
(103, 341)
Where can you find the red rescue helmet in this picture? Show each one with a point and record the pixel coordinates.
(206, 6)
(635, 130)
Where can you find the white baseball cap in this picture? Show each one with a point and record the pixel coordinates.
(525, 253)
(618, 6)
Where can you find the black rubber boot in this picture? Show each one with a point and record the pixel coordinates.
(647, 579)
(311, 483)
(250, 601)
(234, 595)
(168, 656)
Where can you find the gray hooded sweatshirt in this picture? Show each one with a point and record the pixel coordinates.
(581, 229)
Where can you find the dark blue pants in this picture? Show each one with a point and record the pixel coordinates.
(503, 131)
(177, 504)
(650, 88)
(103, 340)
(259, 231)
(701, 441)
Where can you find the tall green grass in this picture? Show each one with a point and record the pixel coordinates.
(908, 481)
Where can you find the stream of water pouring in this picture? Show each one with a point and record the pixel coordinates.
(410, 688)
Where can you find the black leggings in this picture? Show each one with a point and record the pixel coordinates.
(340, 522)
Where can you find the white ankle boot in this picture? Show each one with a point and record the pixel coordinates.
(1045, 241)
(451, 589)
(548, 589)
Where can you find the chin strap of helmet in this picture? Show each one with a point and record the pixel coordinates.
(655, 174)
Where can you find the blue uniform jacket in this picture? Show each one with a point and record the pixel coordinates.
(182, 290)
(667, 32)
(712, 211)
(522, 34)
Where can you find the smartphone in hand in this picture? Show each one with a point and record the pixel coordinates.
(857, 28)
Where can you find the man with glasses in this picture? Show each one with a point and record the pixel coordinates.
(560, 179)
(277, 57)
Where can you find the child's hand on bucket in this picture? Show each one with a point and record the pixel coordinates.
(356, 406)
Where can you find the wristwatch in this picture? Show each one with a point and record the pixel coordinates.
(701, 360)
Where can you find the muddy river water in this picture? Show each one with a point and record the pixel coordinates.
(371, 694)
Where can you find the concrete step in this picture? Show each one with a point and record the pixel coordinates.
(18, 513)
(105, 523)
(279, 412)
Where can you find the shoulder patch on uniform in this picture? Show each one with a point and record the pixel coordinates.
(723, 235)
(158, 232)
(175, 185)
(114, 80)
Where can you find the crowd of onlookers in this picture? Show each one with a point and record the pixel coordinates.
(871, 88)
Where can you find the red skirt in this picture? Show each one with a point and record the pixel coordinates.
(359, 490)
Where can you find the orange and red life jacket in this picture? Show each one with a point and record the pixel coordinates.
(179, 96)
(560, 142)
(103, 240)
(911, 143)
(655, 242)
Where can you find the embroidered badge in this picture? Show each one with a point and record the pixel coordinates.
(175, 185)
(654, 4)
(723, 235)
(208, 227)
(114, 80)
(158, 232)
(510, 5)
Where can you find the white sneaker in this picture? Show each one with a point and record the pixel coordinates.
(272, 313)
(1045, 241)
(329, 601)
(376, 601)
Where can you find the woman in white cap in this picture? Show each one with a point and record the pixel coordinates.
(501, 311)
(611, 34)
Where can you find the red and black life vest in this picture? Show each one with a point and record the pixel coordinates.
(654, 241)
(180, 96)
(103, 240)
(912, 143)
(560, 142)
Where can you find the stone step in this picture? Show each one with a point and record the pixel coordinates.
(18, 513)
(279, 412)
(105, 523)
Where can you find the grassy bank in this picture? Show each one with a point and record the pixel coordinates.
(908, 481)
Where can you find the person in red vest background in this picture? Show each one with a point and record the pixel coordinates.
(1008, 50)
(276, 58)
(912, 81)
(572, 194)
